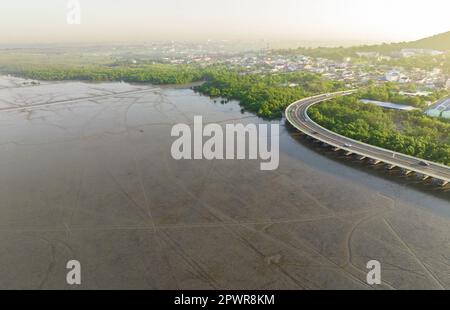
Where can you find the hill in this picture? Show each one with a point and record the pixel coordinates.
(438, 42)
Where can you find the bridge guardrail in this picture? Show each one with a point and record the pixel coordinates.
(344, 93)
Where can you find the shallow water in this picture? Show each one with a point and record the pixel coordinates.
(87, 174)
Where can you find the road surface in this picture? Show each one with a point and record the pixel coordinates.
(297, 115)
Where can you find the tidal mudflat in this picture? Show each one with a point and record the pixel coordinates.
(86, 174)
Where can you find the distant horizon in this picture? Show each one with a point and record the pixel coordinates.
(286, 43)
(297, 22)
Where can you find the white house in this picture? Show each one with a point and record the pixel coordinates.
(392, 76)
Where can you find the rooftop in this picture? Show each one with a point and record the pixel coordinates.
(390, 105)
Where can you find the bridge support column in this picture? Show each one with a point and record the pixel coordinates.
(406, 172)
(361, 157)
(440, 182)
(390, 167)
(422, 176)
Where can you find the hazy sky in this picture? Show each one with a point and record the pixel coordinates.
(44, 21)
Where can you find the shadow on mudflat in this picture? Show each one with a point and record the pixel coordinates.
(381, 171)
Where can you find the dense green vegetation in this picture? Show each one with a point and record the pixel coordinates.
(411, 133)
(266, 95)
(152, 73)
(390, 92)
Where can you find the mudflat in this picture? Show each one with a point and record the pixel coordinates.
(86, 174)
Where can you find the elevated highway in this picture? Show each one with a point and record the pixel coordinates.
(297, 116)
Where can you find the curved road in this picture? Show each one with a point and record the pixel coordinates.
(297, 115)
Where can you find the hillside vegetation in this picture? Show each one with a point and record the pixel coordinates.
(266, 95)
(439, 42)
(411, 133)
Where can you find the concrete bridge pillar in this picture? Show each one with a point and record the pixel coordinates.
(390, 167)
(406, 172)
(422, 176)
